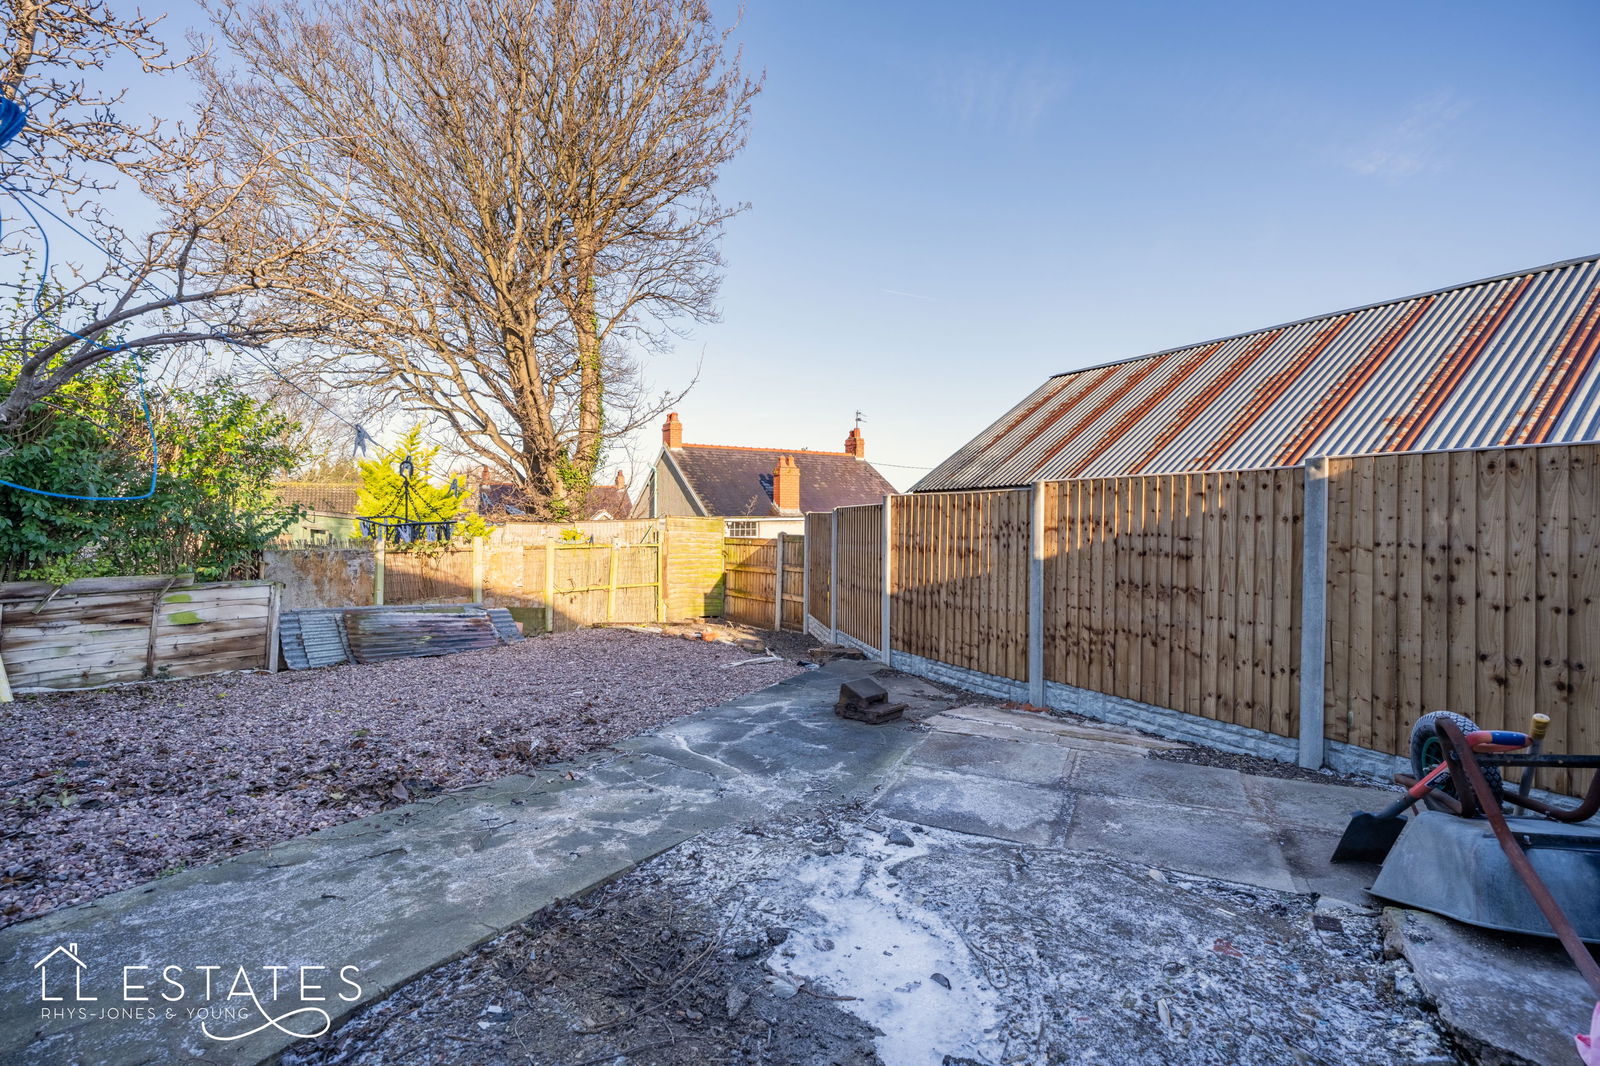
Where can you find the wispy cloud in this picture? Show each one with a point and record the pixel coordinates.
(1413, 143)
(907, 295)
(1013, 95)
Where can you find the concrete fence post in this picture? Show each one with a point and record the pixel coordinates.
(833, 578)
(887, 568)
(777, 587)
(1313, 613)
(1036, 527)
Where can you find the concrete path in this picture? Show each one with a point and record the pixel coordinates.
(398, 894)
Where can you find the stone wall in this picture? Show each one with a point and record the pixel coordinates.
(320, 577)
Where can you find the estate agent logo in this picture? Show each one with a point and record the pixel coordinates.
(47, 964)
(223, 999)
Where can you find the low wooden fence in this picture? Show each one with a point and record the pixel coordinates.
(553, 586)
(1467, 581)
(107, 630)
(673, 569)
(756, 581)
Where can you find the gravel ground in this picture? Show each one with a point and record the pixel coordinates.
(110, 788)
(1264, 767)
(832, 937)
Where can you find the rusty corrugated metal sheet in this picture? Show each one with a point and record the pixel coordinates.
(329, 636)
(1507, 360)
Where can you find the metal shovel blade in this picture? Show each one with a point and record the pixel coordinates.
(1368, 837)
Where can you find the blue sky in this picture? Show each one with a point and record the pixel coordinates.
(949, 202)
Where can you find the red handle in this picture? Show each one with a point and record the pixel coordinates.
(1418, 790)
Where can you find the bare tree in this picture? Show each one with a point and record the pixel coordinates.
(76, 141)
(197, 276)
(523, 197)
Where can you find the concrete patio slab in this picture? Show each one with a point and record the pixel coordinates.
(1158, 781)
(1009, 760)
(1188, 839)
(1509, 999)
(1311, 803)
(1004, 810)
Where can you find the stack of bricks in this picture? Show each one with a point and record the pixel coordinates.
(864, 700)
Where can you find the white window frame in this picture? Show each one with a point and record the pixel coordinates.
(743, 527)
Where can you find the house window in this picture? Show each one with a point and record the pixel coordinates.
(741, 529)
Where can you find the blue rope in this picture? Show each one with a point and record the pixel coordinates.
(363, 438)
(13, 119)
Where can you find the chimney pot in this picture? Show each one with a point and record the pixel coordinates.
(786, 484)
(622, 482)
(855, 444)
(672, 431)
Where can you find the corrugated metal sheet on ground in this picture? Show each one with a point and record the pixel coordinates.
(328, 637)
(1504, 361)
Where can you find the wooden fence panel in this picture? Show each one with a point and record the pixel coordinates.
(794, 584)
(579, 584)
(427, 577)
(861, 573)
(1466, 581)
(112, 630)
(819, 564)
(960, 579)
(752, 566)
(751, 595)
(1179, 591)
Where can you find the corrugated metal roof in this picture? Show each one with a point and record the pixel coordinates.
(1508, 360)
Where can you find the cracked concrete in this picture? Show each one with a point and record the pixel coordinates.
(401, 893)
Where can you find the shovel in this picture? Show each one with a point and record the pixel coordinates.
(1369, 837)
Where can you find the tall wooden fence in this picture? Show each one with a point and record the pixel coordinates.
(1178, 591)
(819, 571)
(960, 568)
(757, 580)
(108, 630)
(860, 584)
(1467, 581)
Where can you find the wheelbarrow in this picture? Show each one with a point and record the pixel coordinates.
(1541, 874)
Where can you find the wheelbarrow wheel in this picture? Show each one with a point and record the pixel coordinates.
(1427, 751)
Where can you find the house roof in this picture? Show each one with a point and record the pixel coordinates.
(336, 498)
(734, 482)
(607, 499)
(1506, 360)
(495, 496)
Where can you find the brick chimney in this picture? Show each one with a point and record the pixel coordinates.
(855, 444)
(672, 431)
(786, 485)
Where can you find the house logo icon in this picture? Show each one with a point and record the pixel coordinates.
(58, 961)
